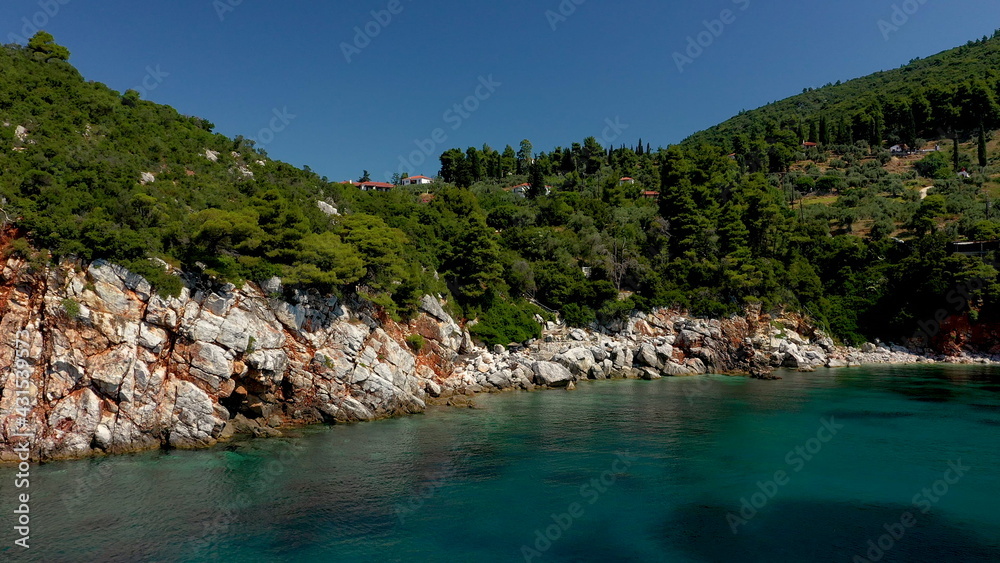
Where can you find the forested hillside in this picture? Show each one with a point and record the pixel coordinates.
(742, 214)
(946, 95)
(92, 173)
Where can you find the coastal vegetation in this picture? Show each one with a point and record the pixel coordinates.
(800, 204)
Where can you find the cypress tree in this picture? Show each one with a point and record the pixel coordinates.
(982, 147)
(537, 182)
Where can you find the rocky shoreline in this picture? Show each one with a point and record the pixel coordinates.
(109, 367)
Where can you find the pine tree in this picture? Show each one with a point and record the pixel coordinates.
(44, 46)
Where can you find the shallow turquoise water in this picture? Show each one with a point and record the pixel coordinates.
(488, 484)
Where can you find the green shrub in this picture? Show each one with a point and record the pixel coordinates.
(578, 315)
(934, 165)
(505, 322)
(416, 342)
(165, 283)
(616, 310)
(20, 248)
(71, 308)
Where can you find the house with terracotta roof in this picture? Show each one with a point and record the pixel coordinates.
(417, 181)
(651, 195)
(373, 186)
(809, 144)
(626, 180)
(522, 189)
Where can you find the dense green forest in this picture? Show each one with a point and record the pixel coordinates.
(741, 214)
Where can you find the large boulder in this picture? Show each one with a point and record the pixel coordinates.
(551, 374)
(648, 356)
(577, 360)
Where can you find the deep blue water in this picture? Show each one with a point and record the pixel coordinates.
(676, 456)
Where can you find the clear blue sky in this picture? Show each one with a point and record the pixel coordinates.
(604, 61)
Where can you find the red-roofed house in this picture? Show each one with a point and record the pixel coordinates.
(808, 144)
(522, 189)
(651, 195)
(417, 181)
(626, 180)
(374, 186)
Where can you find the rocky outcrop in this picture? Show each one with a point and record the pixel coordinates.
(116, 368)
(109, 366)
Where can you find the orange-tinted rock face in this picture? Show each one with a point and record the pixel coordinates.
(93, 361)
(958, 334)
(132, 370)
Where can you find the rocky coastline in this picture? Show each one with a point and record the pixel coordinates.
(100, 364)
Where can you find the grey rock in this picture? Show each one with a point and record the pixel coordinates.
(211, 359)
(433, 389)
(327, 209)
(102, 436)
(648, 357)
(599, 353)
(577, 360)
(432, 307)
(794, 360)
(152, 338)
(108, 370)
(194, 422)
(500, 379)
(551, 374)
(675, 369)
(274, 361)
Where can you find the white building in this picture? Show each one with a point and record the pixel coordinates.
(417, 181)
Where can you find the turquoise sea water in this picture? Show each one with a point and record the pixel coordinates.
(520, 478)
